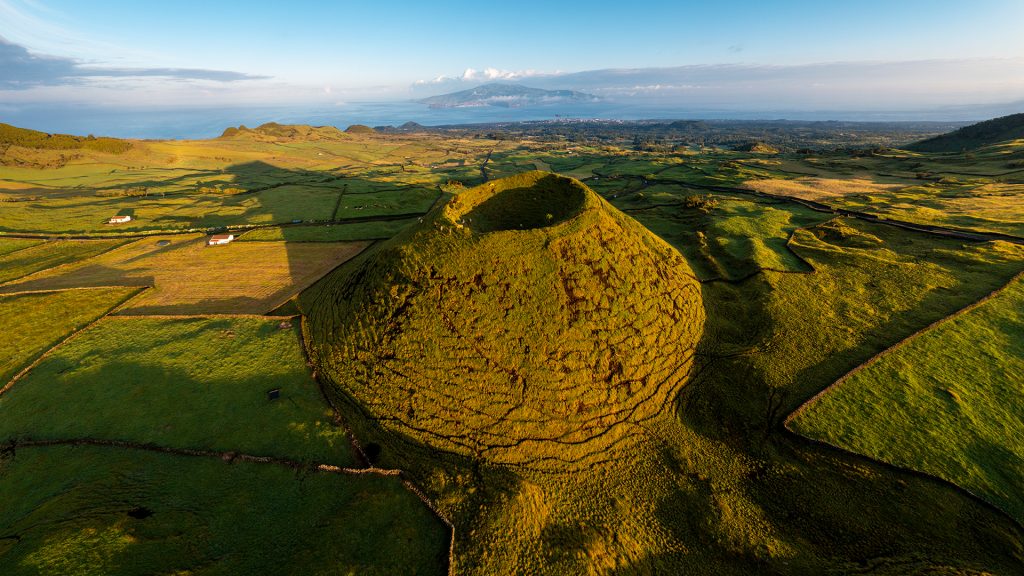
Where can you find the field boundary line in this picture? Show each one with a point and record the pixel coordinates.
(850, 454)
(933, 229)
(869, 362)
(239, 229)
(765, 270)
(41, 241)
(119, 316)
(65, 264)
(46, 353)
(73, 288)
(978, 303)
(227, 456)
(360, 455)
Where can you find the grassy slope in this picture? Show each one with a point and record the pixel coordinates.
(979, 191)
(8, 245)
(975, 136)
(68, 509)
(174, 185)
(198, 383)
(33, 323)
(14, 265)
(722, 235)
(780, 338)
(536, 254)
(708, 488)
(946, 403)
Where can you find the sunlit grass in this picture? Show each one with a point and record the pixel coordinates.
(35, 322)
(198, 384)
(945, 403)
(190, 277)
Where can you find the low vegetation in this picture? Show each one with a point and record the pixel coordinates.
(38, 256)
(189, 277)
(80, 511)
(34, 323)
(572, 393)
(8, 245)
(13, 136)
(332, 233)
(975, 136)
(464, 294)
(198, 384)
(944, 403)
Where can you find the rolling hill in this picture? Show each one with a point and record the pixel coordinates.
(275, 131)
(975, 136)
(25, 138)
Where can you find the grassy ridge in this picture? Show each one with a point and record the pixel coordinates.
(705, 487)
(723, 236)
(87, 511)
(33, 139)
(945, 403)
(975, 136)
(35, 322)
(198, 384)
(708, 488)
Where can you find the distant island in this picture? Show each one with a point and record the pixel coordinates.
(506, 96)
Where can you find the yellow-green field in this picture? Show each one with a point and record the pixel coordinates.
(33, 323)
(193, 383)
(189, 277)
(944, 403)
(32, 258)
(330, 233)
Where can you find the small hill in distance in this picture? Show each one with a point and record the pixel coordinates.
(757, 148)
(359, 129)
(974, 136)
(507, 96)
(275, 131)
(25, 138)
(526, 322)
(406, 128)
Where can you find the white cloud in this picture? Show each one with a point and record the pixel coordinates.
(489, 74)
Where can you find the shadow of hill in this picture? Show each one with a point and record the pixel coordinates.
(810, 509)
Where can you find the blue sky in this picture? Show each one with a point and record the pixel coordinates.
(264, 52)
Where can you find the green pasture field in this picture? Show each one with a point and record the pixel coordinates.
(189, 277)
(194, 383)
(34, 323)
(83, 511)
(45, 255)
(8, 245)
(332, 233)
(980, 190)
(947, 403)
(725, 236)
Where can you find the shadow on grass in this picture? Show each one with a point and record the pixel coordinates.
(822, 507)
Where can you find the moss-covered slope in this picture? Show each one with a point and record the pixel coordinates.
(526, 322)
